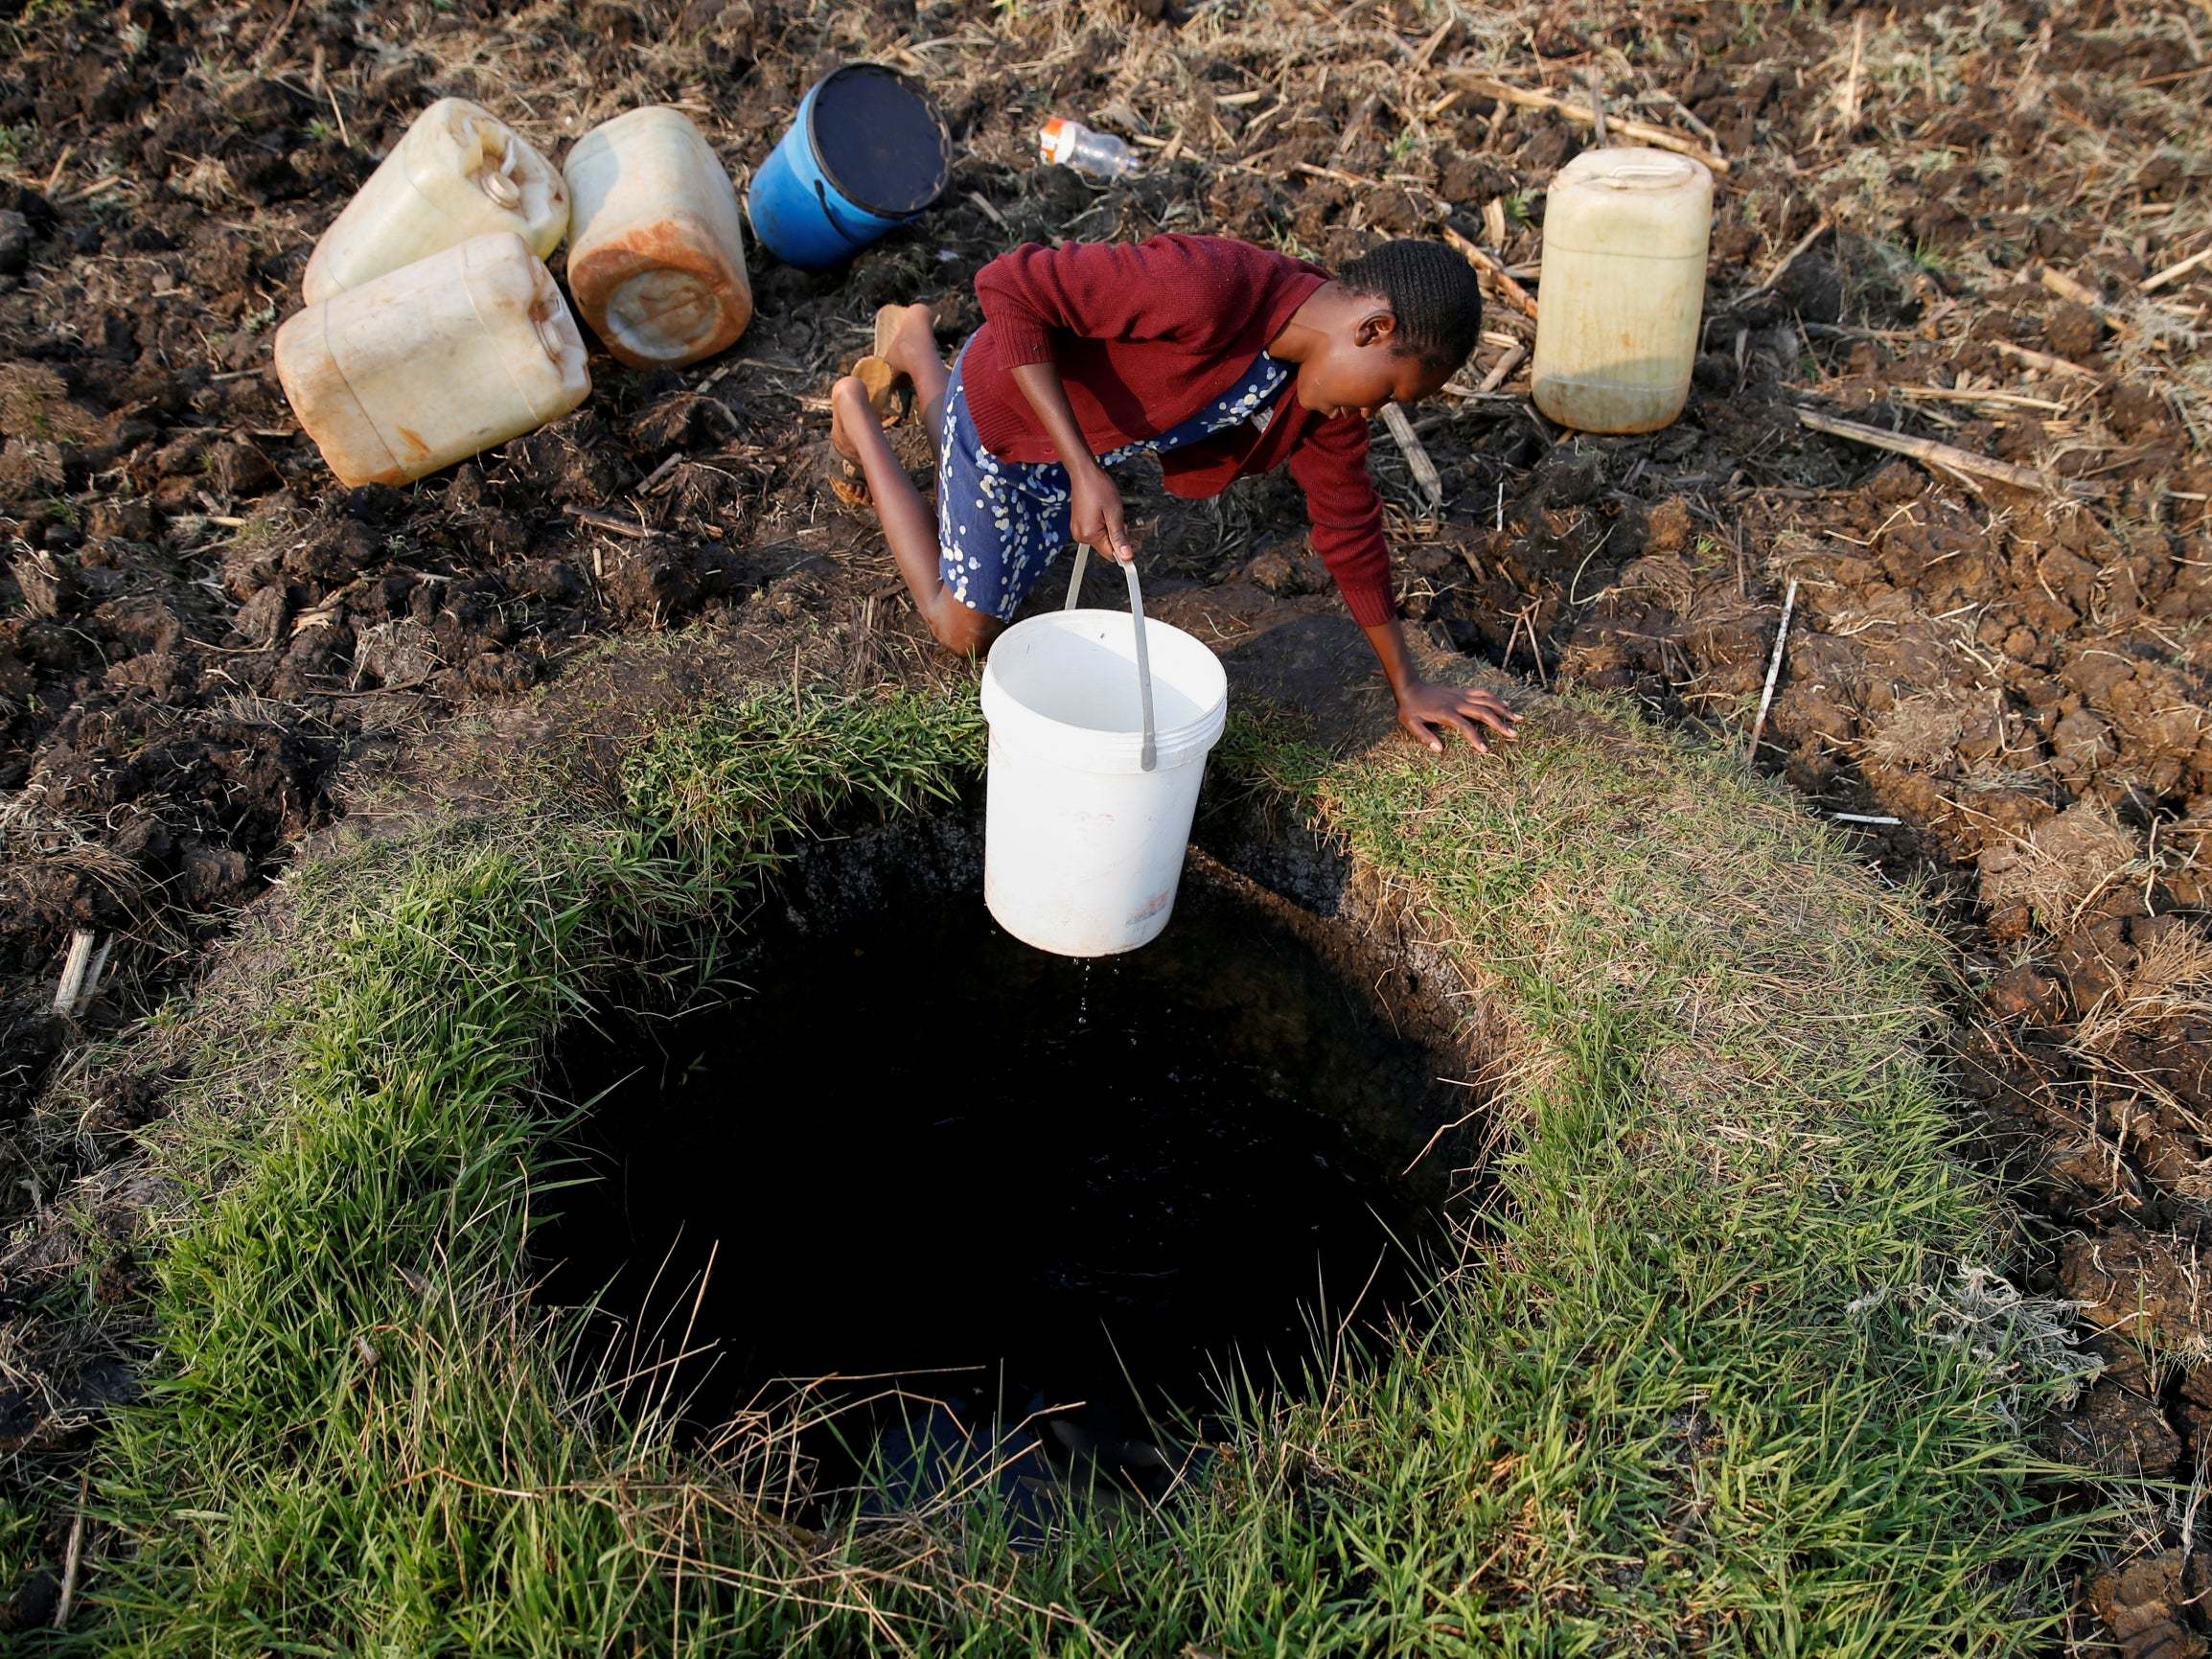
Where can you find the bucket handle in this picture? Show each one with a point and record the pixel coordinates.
(1148, 757)
(829, 213)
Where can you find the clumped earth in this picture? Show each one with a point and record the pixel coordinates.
(1944, 221)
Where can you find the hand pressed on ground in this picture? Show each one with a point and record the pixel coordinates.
(1424, 709)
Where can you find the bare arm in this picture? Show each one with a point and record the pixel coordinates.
(1095, 504)
(1041, 385)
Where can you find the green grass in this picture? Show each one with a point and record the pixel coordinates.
(19, 1543)
(1738, 1141)
(1699, 1389)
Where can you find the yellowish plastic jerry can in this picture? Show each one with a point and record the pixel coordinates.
(460, 171)
(427, 365)
(657, 247)
(1623, 288)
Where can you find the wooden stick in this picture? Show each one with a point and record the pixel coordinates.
(1849, 102)
(72, 1554)
(98, 187)
(1509, 291)
(269, 44)
(989, 211)
(1503, 368)
(1781, 267)
(71, 989)
(1694, 125)
(1408, 443)
(1353, 179)
(1947, 457)
(2036, 359)
(2159, 279)
(653, 477)
(1524, 622)
(2178, 75)
(1977, 395)
(330, 92)
(1642, 131)
(1773, 672)
(608, 522)
(2057, 282)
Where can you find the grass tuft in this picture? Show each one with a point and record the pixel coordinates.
(1700, 1386)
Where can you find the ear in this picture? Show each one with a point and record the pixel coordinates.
(1379, 327)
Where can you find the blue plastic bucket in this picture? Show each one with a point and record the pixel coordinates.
(866, 152)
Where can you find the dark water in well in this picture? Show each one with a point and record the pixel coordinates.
(920, 1147)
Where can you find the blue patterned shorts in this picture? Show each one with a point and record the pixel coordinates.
(1002, 524)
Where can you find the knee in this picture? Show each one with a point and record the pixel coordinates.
(963, 632)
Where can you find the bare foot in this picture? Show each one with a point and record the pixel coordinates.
(849, 410)
(906, 337)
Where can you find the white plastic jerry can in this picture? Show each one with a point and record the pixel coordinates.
(1623, 287)
(657, 247)
(460, 171)
(428, 364)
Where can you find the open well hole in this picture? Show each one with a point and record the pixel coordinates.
(1000, 1204)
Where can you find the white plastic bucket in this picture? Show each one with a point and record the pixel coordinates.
(1083, 838)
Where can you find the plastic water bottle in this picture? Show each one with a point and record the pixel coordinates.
(1065, 143)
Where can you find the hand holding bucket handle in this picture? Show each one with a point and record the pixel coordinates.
(1149, 757)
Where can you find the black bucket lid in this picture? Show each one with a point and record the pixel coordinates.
(879, 139)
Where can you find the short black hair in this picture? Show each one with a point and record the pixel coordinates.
(1433, 293)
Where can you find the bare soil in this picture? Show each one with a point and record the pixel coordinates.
(1937, 220)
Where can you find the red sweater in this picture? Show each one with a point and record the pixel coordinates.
(1144, 336)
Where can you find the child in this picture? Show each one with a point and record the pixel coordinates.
(1221, 357)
